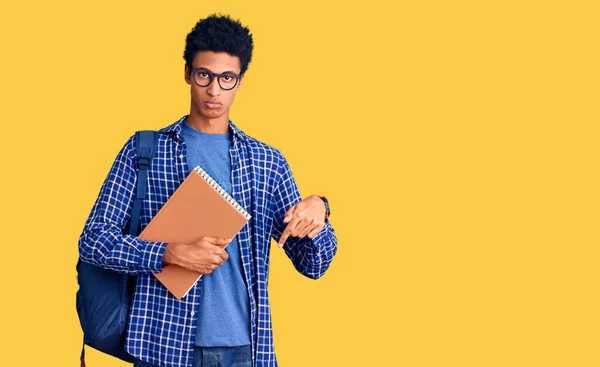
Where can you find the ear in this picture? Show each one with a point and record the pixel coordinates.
(240, 82)
(187, 76)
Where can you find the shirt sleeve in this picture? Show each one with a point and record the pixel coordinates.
(102, 241)
(311, 257)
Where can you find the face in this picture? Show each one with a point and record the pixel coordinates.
(212, 102)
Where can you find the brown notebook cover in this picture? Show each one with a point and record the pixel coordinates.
(198, 208)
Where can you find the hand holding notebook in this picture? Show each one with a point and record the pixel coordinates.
(197, 210)
(202, 256)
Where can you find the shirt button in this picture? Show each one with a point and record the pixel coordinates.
(181, 156)
(192, 313)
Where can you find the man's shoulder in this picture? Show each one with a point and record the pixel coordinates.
(263, 150)
(174, 127)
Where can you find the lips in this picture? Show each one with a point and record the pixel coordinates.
(210, 104)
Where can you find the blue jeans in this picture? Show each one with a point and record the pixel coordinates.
(216, 357)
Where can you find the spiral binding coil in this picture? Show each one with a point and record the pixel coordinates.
(222, 192)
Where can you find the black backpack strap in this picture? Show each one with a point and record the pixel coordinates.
(145, 146)
(82, 358)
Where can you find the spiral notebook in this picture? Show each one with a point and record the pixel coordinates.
(199, 207)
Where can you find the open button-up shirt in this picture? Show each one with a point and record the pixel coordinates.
(162, 329)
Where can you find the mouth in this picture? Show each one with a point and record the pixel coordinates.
(210, 104)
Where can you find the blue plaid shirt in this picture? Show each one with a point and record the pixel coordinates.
(162, 329)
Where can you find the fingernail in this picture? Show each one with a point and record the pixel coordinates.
(281, 245)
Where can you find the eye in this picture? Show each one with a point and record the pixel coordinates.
(227, 78)
(203, 74)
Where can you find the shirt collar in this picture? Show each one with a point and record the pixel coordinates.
(176, 129)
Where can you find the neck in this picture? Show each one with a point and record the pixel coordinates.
(219, 125)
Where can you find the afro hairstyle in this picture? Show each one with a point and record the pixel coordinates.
(219, 33)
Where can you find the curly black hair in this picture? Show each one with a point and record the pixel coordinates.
(219, 33)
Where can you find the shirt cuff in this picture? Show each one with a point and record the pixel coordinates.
(318, 239)
(152, 257)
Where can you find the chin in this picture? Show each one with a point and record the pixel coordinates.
(212, 114)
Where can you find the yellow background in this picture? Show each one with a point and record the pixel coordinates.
(456, 140)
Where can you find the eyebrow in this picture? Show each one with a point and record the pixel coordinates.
(226, 71)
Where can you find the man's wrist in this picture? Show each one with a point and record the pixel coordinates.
(169, 256)
(327, 209)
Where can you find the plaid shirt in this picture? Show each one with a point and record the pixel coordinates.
(162, 329)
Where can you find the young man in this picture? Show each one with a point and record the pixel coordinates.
(225, 319)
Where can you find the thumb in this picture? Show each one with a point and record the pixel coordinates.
(288, 215)
(222, 241)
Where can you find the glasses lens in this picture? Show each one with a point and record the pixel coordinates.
(202, 77)
(227, 81)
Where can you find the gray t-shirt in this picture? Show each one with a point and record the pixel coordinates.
(224, 315)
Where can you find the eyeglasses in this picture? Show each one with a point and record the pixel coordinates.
(203, 77)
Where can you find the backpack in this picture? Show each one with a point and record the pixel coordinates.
(104, 296)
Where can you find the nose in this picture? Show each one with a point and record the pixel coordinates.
(214, 90)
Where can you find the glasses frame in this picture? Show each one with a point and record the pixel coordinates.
(212, 77)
